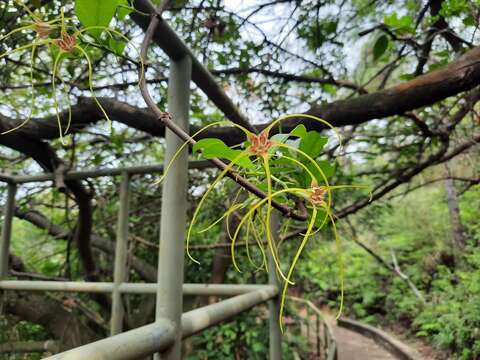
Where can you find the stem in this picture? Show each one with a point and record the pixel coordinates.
(250, 211)
(270, 240)
(286, 211)
(54, 90)
(202, 200)
(338, 243)
(90, 84)
(294, 262)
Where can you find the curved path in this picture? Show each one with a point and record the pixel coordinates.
(353, 346)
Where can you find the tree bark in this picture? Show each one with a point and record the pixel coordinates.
(145, 270)
(459, 76)
(62, 323)
(453, 210)
(46, 157)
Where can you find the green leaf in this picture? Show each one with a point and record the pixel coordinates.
(116, 46)
(380, 46)
(216, 148)
(401, 25)
(327, 168)
(329, 89)
(312, 143)
(95, 13)
(299, 131)
(469, 21)
(124, 9)
(331, 26)
(280, 137)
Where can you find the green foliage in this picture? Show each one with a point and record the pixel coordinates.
(451, 318)
(216, 148)
(400, 25)
(64, 43)
(95, 14)
(243, 338)
(380, 47)
(327, 32)
(417, 229)
(13, 331)
(246, 338)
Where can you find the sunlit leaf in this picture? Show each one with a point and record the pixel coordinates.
(216, 148)
(95, 13)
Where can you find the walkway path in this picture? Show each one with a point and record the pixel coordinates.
(350, 345)
(353, 346)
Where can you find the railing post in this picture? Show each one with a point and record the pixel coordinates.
(308, 323)
(326, 339)
(174, 208)
(274, 304)
(7, 230)
(317, 323)
(119, 272)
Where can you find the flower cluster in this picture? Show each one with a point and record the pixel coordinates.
(260, 144)
(317, 195)
(66, 43)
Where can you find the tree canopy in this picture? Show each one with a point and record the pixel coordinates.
(397, 79)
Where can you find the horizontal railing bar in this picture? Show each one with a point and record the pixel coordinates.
(156, 337)
(6, 178)
(94, 173)
(200, 319)
(20, 347)
(221, 289)
(133, 344)
(127, 288)
(64, 286)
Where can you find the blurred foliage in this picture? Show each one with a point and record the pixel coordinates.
(416, 227)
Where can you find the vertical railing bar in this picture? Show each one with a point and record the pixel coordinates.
(120, 263)
(274, 304)
(325, 339)
(308, 324)
(7, 229)
(317, 326)
(174, 208)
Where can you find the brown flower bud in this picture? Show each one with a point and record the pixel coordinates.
(67, 42)
(42, 29)
(260, 144)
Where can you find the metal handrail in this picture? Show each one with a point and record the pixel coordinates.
(133, 344)
(160, 335)
(128, 288)
(329, 349)
(165, 333)
(100, 172)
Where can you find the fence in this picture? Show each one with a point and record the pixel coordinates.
(324, 339)
(171, 326)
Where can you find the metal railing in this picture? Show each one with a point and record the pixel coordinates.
(325, 344)
(148, 339)
(171, 326)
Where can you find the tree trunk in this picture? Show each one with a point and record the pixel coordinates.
(61, 322)
(454, 211)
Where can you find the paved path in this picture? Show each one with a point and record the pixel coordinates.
(350, 345)
(353, 346)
